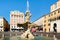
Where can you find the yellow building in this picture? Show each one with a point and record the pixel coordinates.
(52, 18)
(4, 25)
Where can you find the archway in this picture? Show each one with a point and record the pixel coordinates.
(54, 27)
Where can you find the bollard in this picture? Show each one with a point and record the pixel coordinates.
(47, 35)
(10, 34)
(2, 35)
(41, 34)
(55, 38)
(16, 34)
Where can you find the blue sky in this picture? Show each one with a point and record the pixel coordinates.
(37, 8)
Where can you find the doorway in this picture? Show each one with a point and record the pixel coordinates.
(54, 27)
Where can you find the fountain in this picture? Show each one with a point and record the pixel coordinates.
(27, 33)
(27, 25)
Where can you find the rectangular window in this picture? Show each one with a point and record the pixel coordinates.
(54, 13)
(45, 16)
(12, 27)
(49, 20)
(22, 16)
(1, 27)
(55, 5)
(44, 21)
(11, 15)
(59, 11)
(49, 24)
(51, 14)
(54, 19)
(44, 25)
(58, 18)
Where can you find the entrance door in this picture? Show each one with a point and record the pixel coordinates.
(54, 27)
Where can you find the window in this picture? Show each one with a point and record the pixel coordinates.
(12, 15)
(55, 5)
(51, 20)
(44, 21)
(48, 19)
(54, 19)
(45, 29)
(44, 25)
(45, 16)
(1, 27)
(22, 16)
(12, 26)
(19, 15)
(1, 24)
(1, 30)
(54, 13)
(16, 15)
(49, 24)
(49, 29)
(59, 11)
(51, 14)
(59, 17)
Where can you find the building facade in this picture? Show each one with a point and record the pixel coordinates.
(15, 18)
(51, 21)
(4, 25)
(46, 23)
(53, 18)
